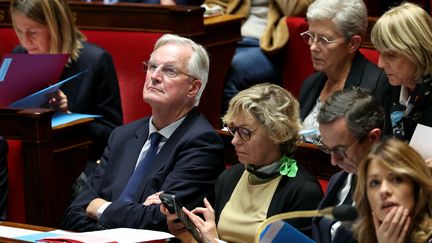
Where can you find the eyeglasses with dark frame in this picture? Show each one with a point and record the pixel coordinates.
(310, 38)
(167, 70)
(244, 133)
(336, 151)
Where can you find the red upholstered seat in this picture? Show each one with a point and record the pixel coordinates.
(297, 59)
(371, 54)
(16, 207)
(129, 50)
(324, 184)
(8, 40)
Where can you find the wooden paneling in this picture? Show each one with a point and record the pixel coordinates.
(53, 158)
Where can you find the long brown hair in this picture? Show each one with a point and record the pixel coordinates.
(56, 14)
(397, 156)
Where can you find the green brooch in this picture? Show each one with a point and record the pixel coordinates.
(288, 166)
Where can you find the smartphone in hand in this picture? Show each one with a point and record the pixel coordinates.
(174, 206)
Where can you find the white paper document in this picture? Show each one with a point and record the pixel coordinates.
(421, 141)
(127, 235)
(119, 235)
(12, 232)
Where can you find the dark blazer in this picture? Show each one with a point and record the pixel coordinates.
(362, 74)
(425, 114)
(321, 226)
(302, 192)
(95, 92)
(3, 178)
(187, 165)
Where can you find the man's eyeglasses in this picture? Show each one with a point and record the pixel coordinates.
(338, 151)
(322, 41)
(244, 133)
(167, 70)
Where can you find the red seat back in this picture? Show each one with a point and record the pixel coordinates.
(129, 50)
(16, 206)
(8, 40)
(297, 59)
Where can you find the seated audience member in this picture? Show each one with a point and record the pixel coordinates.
(264, 121)
(403, 37)
(336, 31)
(46, 26)
(264, 34)
(350, 122)
(189, 155)
(393, 196)
(3, 178)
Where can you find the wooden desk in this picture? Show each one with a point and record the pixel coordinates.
(53, 158)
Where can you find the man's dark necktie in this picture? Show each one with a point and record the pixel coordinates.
(135, 179)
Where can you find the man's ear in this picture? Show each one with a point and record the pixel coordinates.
(194, 88)
(375, 135)
(354, 43)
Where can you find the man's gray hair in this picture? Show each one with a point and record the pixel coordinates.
(198, 65)
(360, 109)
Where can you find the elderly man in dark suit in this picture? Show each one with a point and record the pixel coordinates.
(185, 161)
(350, 122)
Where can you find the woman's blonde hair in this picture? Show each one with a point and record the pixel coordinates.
(56, 15)
(406, 30)
(400, 158)
(274, 108)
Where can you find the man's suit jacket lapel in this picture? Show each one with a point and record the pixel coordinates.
(130, 156)
(322, 233)
(333, 188)
(163, 158)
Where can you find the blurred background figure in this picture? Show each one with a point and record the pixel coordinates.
(402, 36)
(264, 33)
(394, 196)
(336, 31)
(264, 121)
(46, 26)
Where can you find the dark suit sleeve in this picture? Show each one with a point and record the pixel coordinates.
(75, 217)
(3, 178)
